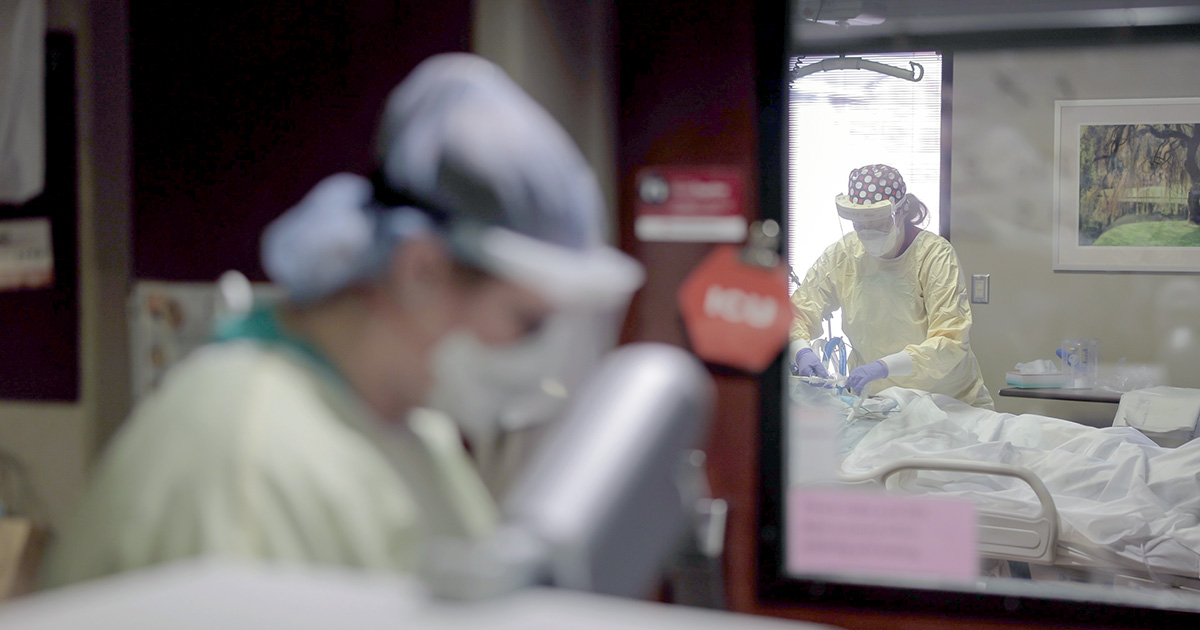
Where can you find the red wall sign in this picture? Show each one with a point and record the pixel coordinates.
(736, 314)
(691, 203)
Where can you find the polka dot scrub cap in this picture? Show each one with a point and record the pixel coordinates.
(873, 191)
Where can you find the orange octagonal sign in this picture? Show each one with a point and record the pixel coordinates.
(736, 314)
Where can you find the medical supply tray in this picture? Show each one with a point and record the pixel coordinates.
(1031, 381)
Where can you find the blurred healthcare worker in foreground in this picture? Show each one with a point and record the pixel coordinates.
(902, 293)
(298, 437)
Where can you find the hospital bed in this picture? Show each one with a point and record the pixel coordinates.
(1073, 503)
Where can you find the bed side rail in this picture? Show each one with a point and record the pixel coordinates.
(1005, 536)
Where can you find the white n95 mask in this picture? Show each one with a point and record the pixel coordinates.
(490, 390)
(504, 398)
(879, 243)
(475, 384)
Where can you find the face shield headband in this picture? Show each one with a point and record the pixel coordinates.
(598, 276)
(863, 212)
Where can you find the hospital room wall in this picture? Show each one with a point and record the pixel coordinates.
(562, 54)
(1002, 200)
(687, 97)
(54, 440)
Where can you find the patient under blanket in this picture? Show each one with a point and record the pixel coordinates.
(1122, 499)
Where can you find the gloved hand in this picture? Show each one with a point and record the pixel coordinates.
(809, 365)
(860, 376)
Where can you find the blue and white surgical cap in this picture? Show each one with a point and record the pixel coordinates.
(462, 145)
(460, 133)
(335, 237)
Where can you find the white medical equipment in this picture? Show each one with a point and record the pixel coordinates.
(1167, 415)
(235, 596)
(1084, 504)
(609, 494)
(1080, 362)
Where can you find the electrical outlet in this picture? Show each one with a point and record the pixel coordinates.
(979, 287)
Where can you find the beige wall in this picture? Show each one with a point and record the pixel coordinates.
(55, 441)
(561, 53)
(1002, 206)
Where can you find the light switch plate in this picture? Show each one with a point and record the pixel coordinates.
(980, 287)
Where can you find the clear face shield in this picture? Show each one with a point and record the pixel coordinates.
(877, 225)
(881, 225)
(499, 395)
(496, 392)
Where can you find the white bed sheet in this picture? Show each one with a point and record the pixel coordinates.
(1122, 499)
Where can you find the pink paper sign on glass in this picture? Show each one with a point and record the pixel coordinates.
(880, 534)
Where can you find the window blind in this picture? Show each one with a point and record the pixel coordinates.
(842, 119)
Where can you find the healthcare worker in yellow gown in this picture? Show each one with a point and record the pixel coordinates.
(903, 295)
(299, 436)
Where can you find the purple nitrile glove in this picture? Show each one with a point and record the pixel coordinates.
(864, 374)
(809, 364)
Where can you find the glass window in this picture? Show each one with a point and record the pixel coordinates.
(959, 468)
(839, 120)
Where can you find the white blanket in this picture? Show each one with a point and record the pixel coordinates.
(1121, 498)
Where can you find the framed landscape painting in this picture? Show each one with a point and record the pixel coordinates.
(1127, 186)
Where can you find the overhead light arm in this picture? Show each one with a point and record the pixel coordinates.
(915, 73)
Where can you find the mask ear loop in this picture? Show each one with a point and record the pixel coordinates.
(899, 209)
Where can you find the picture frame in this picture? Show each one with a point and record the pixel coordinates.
(1121, 187)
